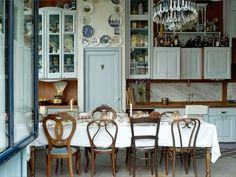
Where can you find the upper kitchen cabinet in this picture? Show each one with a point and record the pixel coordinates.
(57, 37)
(217, 62)
(166, 63)
(191, 63)
(139, 36)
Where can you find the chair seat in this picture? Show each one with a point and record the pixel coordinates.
(62, 150)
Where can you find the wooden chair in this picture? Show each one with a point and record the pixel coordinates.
(149, 149)
(59, 129)
(165, 116)
(109, 131)
(183, 130)
(101, 112)
(104, 112)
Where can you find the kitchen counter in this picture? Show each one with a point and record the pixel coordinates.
(182, 105)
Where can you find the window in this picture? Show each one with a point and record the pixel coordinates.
(18, 75)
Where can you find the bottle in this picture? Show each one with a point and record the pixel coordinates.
(140, 8)
(226, 40)
(176, 41)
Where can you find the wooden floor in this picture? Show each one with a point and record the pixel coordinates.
(224, 167)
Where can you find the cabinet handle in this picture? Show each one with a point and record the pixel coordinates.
(223, 112)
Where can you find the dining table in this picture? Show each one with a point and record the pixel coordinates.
(206, 139)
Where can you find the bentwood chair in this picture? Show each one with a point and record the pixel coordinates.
(184, 135)
(59, 129)
(144, 142)
(101, 112)
(166, 116)
(102, 135)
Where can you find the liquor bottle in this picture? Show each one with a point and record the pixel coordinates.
(176, 41)
(226, 40)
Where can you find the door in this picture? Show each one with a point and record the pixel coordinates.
(102, 77)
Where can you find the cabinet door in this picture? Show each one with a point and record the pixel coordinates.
(219, 122)
(173, 59)
(229, 129)
(190, 63)
(68, 45)
(233, 24)
(217, 63)
(139, 35)
(54, 44)
(166, 63)
(160, 64)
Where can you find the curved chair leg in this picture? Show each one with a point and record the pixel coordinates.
(86, 154)
(173, 166)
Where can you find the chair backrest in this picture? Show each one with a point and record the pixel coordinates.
(141, 138)
(167, 115)
(104, 112)
(102, 133)
(54, 126)
(184, 133)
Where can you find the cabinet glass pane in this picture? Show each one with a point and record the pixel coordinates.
(23, 70)
(69, 43)
(54, 44)
(139, 7)
(69, 23)
(139, 62)
(54, 23)
(40, 25)
(3, 118)
(69, 63)
(54, 64)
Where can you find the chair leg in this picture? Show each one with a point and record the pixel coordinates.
(151, 161)
(166, 161)
(163, 151)
(186, 162)
(92, 164)
(194, 164)
(77, 162)
(113, 164)
(134, 163)
(56, 169)
(70, 166)
(155, 164)
(86, 154)
(173, 164)
(48, 166)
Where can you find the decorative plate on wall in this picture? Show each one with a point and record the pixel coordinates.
(84, 20)
(116, 1)
(87, 31)
(115, 20)
(117, 40)
(118, 9)
(85, 41)
(105, 40)
(94, 40)
(87, 7)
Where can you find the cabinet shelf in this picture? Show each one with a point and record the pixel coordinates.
(139, 17)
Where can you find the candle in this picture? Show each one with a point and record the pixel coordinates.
(130, 109)
(71, 104)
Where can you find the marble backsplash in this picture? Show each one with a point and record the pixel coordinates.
(231, 91)
(193, 91)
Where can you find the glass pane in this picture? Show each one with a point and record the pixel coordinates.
(54, 25)
(68, 63)
(69, 23)
(69, 43)
(54, 64)
(23, 69)
(3, 118)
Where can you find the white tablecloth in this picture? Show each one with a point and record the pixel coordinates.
(207, 137)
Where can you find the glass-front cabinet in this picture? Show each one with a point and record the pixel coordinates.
(139, 35)
(58, 41)
(18, 76)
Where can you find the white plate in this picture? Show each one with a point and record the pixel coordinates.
(115, 20)
(87, 7)
(85, 41)
(84, 20)
(117, 40)
(105, 40)
(94, 40)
